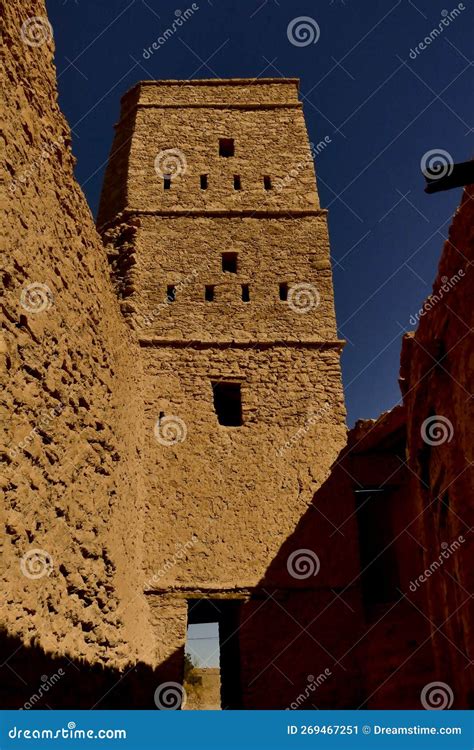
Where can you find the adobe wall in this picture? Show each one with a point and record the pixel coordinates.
(223, 501)
(221, 512)
(409, 478)
(239, 491)
(227, 487)
(72, 403)
(437, 380)
(156, 117)
(283, 248)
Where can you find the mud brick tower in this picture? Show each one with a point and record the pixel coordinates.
(220, 253)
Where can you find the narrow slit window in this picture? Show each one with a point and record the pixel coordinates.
(171, 293)
(267, 182)
(204, 182)
(228, 403)
(229, 262)
(167, 182)
(245, 293)
(284, 292)
(237, 182)
(209, 293)
(226, 147)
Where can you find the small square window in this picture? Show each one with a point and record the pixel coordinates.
(267, 182)
(171, 293)
(209, 293)
(228, 403)
(229, 262)
(245, 293)
(284, 292)
(226, 147)
(237, 182)
(204, 182)
(167, 182)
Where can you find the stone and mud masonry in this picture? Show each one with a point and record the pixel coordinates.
(174, 445)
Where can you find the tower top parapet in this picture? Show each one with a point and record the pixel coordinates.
(214, 93)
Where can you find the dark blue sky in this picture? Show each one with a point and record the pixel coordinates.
(382, 109)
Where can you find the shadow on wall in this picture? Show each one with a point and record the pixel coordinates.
(330, 626)
(33, 679)
(345, 616)
(298, 629)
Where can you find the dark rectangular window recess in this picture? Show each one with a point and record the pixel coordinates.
(167, 182)
(284, 292)
(171, 293)
(226, 147)
(245, 293)
(228, 403)
(204, 182)
(267, 182)
(237, 182)
(229, 262)
(209, 293)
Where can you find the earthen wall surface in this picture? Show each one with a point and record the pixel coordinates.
(73, 512)
(127, 520)
(437, 378)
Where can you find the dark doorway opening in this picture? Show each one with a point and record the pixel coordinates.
(226, 613)
(377, 554)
